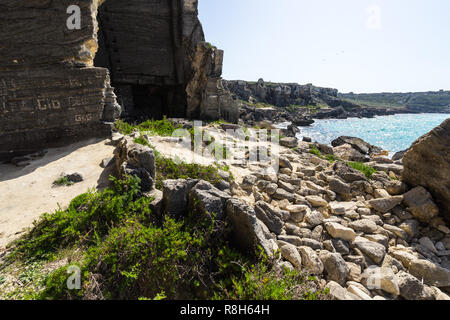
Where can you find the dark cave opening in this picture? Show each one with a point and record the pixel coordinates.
(144, 78)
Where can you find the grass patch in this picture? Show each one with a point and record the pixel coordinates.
(169, 169)
(313, 150)
(219, 122)
(142, 141)
(312, 109)
(368, 171)
(63, 181)
(259, 105)
(332, 158)
(164, 127)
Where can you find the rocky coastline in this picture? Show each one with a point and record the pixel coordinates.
(302, 104)
(366, 235)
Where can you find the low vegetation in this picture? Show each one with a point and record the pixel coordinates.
(258, 105)
(313, 150)
(123, 251)
(167, 168)
(312, 109)
(63, 181)
(164, 127)
(367, 170)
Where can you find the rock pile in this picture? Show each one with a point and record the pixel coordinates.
(370, 239)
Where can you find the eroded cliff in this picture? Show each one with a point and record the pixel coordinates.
(56, 83)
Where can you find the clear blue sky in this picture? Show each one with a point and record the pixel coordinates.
(351, 45)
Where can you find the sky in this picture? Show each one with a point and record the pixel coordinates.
(359, 46)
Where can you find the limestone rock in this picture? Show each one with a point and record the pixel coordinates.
(373, 250)
(421, 204)
(289, 142)
(358, 292)
(384, 205)
(348, 153)
(135, 159)
(298, 212)
(411, 227)
(281, 194)
(291, 254)
(354, 273)
(356, 143)
(337, 292)
(340, 232)
(364, 225)
(314, 218)
(285, 163)
(427, 164)
(247, 230)
(270, 216)
(341, 246)
(209, 200)
(340, 208)
(311, 260)
(431, 273)
(395, 187)
(176, 196)
(340, 187)
(317, 201)
(347, 173)
(411, 288)
(382, 279)
(335, 267)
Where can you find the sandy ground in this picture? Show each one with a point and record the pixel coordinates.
(26, 193)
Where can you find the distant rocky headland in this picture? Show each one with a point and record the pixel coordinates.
(300, 104)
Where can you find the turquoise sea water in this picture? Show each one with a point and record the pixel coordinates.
(392, 133)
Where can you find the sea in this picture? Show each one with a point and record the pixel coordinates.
(392, 133)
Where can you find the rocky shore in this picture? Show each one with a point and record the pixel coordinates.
(367, 236)
(302, 104)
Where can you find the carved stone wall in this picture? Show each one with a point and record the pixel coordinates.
(56, 84)
(50, 93)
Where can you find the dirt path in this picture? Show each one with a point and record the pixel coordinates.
(26, 193)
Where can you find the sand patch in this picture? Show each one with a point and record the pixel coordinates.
(26, 193)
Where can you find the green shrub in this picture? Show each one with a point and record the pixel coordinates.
(55, 287)
(124, 127)
(368, 171)
(167, 168)
(142, 141)
(87, 219)
(260, 282)
(136, 260)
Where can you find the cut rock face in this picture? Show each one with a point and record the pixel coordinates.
(177, 73)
